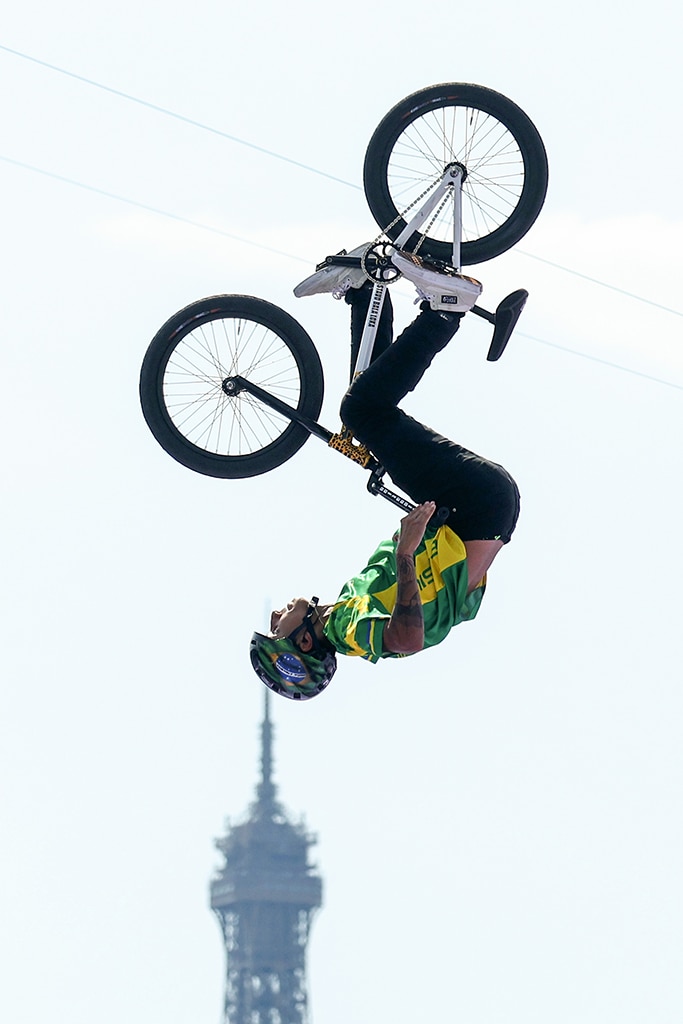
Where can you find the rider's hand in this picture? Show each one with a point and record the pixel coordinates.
(413, 528)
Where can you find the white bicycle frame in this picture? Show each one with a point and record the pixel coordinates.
(451, 180)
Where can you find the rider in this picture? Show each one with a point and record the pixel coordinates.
(428, 577)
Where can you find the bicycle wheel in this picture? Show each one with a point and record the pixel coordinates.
(181, 385)
(503, 154)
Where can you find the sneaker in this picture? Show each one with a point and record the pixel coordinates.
(437, 283)
(337, 280)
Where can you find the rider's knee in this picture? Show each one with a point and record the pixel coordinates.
(365, 418)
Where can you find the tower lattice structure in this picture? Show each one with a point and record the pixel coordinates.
(265, 897)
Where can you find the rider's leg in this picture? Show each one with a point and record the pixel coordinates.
(482, 496)
(399, 367)
(427, 466)
(480, 555)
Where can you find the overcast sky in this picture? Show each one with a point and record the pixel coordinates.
(499, 818)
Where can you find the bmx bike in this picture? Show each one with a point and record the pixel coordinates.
(231, 386)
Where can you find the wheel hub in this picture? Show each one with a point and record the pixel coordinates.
(456, 166)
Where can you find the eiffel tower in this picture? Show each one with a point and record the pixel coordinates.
(265, 897)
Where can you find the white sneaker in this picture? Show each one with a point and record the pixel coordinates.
(439, 284)
(336, 280)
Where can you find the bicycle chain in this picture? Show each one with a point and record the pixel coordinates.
(401, 216)
(436, 214)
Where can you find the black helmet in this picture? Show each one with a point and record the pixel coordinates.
(286, 670)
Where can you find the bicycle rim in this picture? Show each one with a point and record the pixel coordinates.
(504, 158)
(193, 393)
(489, 151)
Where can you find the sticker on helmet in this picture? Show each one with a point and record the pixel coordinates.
(291, 668)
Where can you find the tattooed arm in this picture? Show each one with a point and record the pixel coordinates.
(405, 632)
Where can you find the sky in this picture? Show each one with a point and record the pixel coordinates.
(498, 819)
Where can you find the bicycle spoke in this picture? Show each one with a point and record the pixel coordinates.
(495, 167)
(193, 385)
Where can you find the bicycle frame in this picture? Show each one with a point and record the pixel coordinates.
(449, 187)
(451, 180)
(454, 174)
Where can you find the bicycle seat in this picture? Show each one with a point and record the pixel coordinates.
(506, 316)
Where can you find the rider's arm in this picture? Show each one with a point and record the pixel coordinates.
(405, 631)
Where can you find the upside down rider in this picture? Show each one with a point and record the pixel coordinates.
(427, 578)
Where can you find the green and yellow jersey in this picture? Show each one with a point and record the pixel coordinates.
(362, 611)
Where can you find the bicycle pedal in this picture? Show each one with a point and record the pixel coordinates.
(329, 260)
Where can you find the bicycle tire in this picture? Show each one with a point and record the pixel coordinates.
(183, 400)
(501, 149)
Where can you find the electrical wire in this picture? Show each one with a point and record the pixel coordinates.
(303, 166)
(296, 163)
(602, 284)
(149, 209)
(288, 255)
(596, 359)
(178, 117)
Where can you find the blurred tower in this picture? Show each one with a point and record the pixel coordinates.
(265, 896)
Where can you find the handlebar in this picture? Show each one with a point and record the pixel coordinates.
(375, 486)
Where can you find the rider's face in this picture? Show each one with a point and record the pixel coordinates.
(289, 618)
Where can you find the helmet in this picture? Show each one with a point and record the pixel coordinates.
(280, 664)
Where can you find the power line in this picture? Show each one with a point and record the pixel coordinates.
(287, 255)
(176, 116)
(602, 284)
(289, 160)
(296, 163)
(596, 359)
(150, 209)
